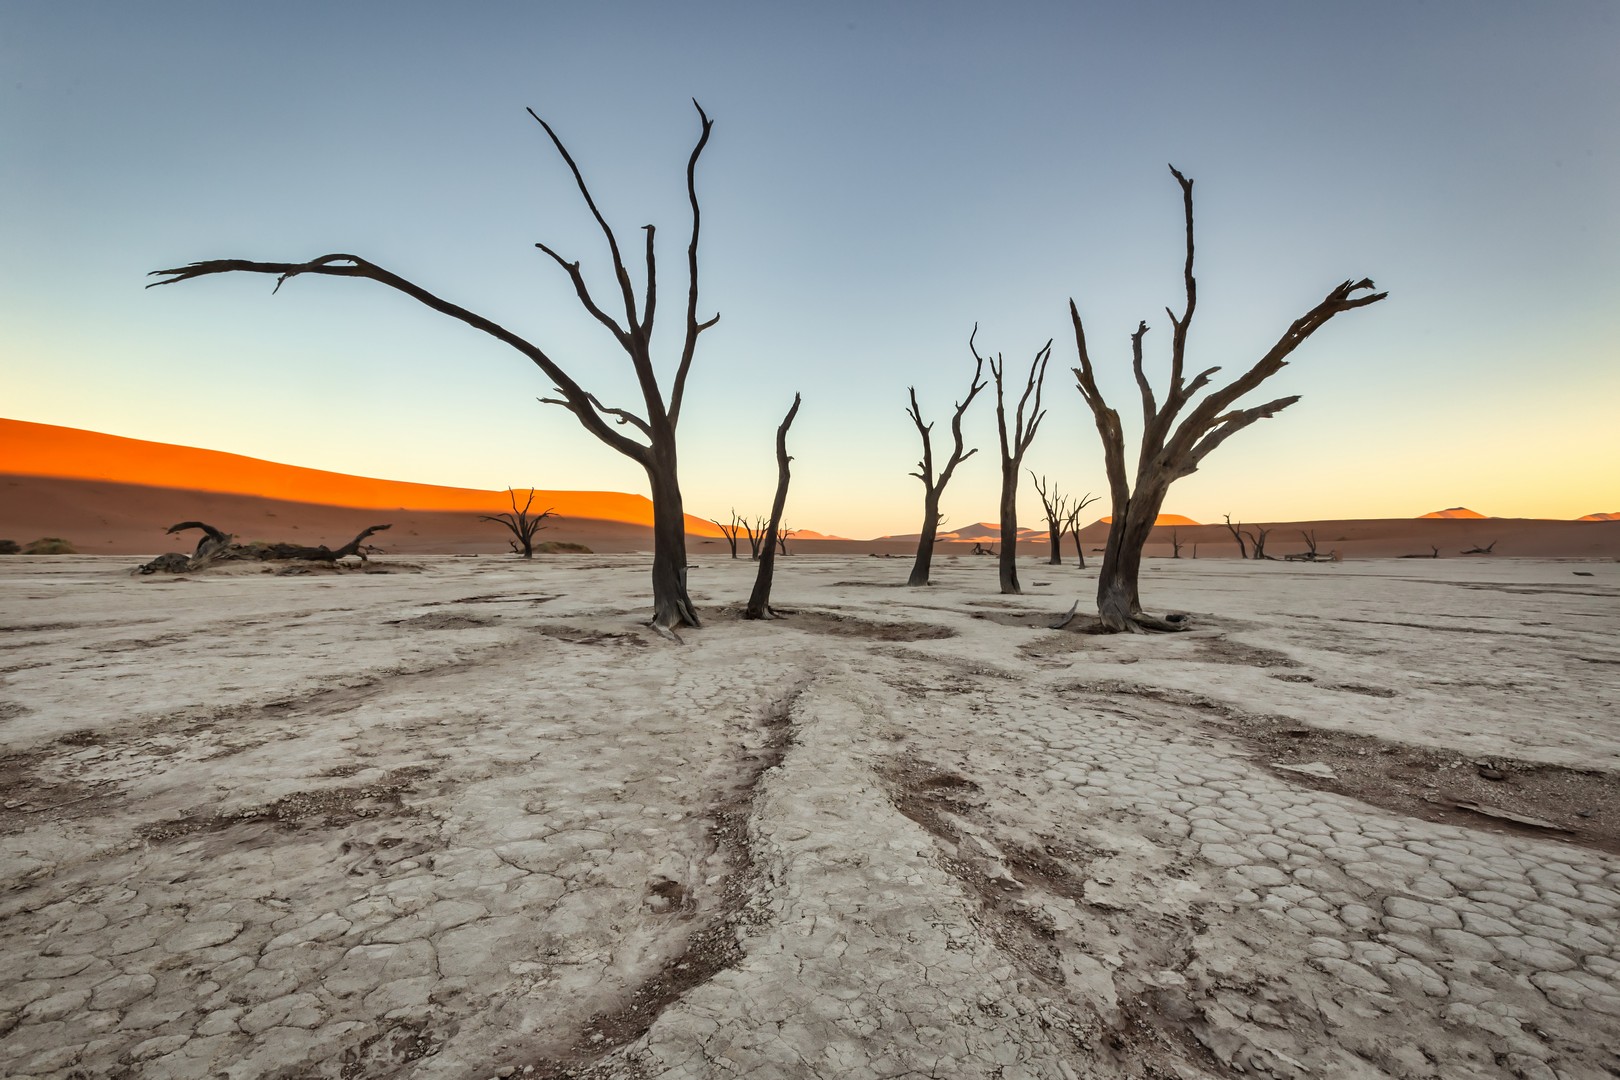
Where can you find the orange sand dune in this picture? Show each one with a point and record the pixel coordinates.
(1163, 519)
(1455, 513)
(1600, 517)
(45, 450)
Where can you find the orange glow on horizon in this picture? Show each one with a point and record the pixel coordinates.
(68, 453)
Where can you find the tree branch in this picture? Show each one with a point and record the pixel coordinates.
(354, 266)
(693, 327)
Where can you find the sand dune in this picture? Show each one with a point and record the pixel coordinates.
(114, 496)
(1455, 513)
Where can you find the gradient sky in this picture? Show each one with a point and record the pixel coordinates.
(880, 177)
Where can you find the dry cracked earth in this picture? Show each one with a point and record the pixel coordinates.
(469, 819)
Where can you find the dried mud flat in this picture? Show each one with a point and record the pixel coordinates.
(469, 819)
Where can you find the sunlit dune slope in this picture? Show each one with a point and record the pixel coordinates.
(1600, 517)
(1455, 513)
(30, 449)
(1162, 519)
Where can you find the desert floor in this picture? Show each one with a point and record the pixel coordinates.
(468, 819)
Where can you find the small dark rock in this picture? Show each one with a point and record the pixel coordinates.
(1492, 774)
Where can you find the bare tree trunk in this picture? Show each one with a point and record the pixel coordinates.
(1007, 566)
(672, 607)
(759, 603)
(925, 543)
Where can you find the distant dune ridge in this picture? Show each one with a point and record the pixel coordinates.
(110, 495)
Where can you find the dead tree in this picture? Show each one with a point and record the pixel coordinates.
(782, 536)
(522, 523)
(755, 531)
(1432, 548)
(1258, 539)
(729, 531)
(1014, 443)
(323, 553)
(934, 484)
(1175, 544)
(1054, 505)
(1170, 450)
(1072, 523)
(655, 449)
(217, 545)
(1477, 550)
(759, 602)
(1239, 535)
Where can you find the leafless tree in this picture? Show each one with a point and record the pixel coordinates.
(1014, 444)
(759, 602)
(1175, 544)
(782, 536)
(522, 523)
(1072, 523)
(1239, 535)
(655, 449)
(729, 531)
(1056, 507)
(934, 483)
(755, 531)
(1477, 550)
(1171, 450)
(1258, 539)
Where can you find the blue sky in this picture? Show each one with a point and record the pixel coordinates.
(880, 178)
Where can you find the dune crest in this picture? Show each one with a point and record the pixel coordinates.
(1456, 512)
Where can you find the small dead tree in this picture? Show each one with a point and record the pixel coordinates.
(782, 536)
(755, 531)
(655, 449)
(934, 483)
(1055, 506)
(1477, 550)
(522, 523)
(729, 531)
(759, 602)
(1239, 535)
(1170, 450)
(1258, 539)
(1072, 523)
(1014, 444)
(1175, 544)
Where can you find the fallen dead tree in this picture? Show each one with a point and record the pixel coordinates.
(219, 546)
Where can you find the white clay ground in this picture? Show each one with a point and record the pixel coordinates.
(470, 819)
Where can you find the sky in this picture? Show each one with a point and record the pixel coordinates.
(881, 178)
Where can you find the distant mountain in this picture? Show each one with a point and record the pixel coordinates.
(1454, 512)
(1600, 517)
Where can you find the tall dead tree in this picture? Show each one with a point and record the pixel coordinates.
(1014, 443)
(655, 448)
(759, 602)
(934, 484)
(1055, 505)
(522, 523)
(1171, 450)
